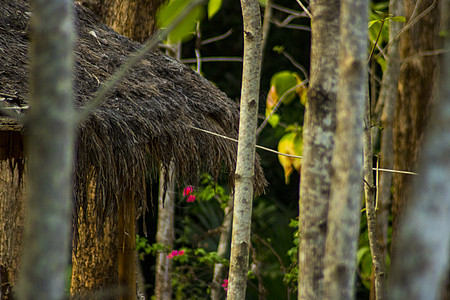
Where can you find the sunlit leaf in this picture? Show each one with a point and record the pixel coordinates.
(401, 19)
(186, 28)
(213, 7)
(291, 143)
(371, 23)
(274, 120)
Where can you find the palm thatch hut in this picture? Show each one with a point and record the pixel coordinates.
(146, 122)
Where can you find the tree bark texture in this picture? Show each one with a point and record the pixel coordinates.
(318, 141)
(378, 291)
(421, 257)
(94, 256)
(165, 235)
(12, 177)
(416, 96)
(388, 96)
(50, 129)
(222, 250)
(132, 18)
(346, 184)
(127, 247)
(243, 197)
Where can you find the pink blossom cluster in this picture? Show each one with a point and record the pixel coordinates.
(175, 253)
(225, 284)
(188, 192)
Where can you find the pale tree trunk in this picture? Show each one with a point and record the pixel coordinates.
(421, 256)
(245, 165)
(165, 235)
(50, 128)
(221, 250)
(318, 142)
(346, 184)
(417, 82)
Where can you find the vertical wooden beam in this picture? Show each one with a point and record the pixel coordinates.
(94, 256)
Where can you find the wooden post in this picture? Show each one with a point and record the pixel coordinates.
(127, 247)
(94, 257)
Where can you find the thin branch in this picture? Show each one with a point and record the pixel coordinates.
(212, 59)
(288, 10)
(217, 38)
(235, 140)
(297, 27)
(197, 48)
(396, 171)
(290, 155)
(133, 60)
(304, 9)
(292, 89)
(424, 53)
(266, 24)
(376, 41)
(295, 63)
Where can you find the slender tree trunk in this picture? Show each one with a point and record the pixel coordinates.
(421, 259)
(387, 97)
(416, 96)
(221, 250)
(165, 235)
(379, 274)
(50, 128)
(346, 185)
(245, 165)
(318, 141)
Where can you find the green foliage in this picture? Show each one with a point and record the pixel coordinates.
(291, 276)
(186, 28)
(213, 7)
(379, 27)
(210, 190)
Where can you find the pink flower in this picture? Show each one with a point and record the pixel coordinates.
(225, 284)
(190, 198)
(188, 190)
(175, 253)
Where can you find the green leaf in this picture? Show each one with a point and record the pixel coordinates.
(400, 19)
(213, 7)
(371, 23)
(186, 28)
(278, 49)
(283, 81)
(274, 120)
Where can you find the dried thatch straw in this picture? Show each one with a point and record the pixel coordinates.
(145, 121)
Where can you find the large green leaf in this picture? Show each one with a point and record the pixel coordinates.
(186, 28)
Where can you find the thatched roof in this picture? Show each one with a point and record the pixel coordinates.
(148, 118)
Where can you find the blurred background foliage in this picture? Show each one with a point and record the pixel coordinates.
(273, 254)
